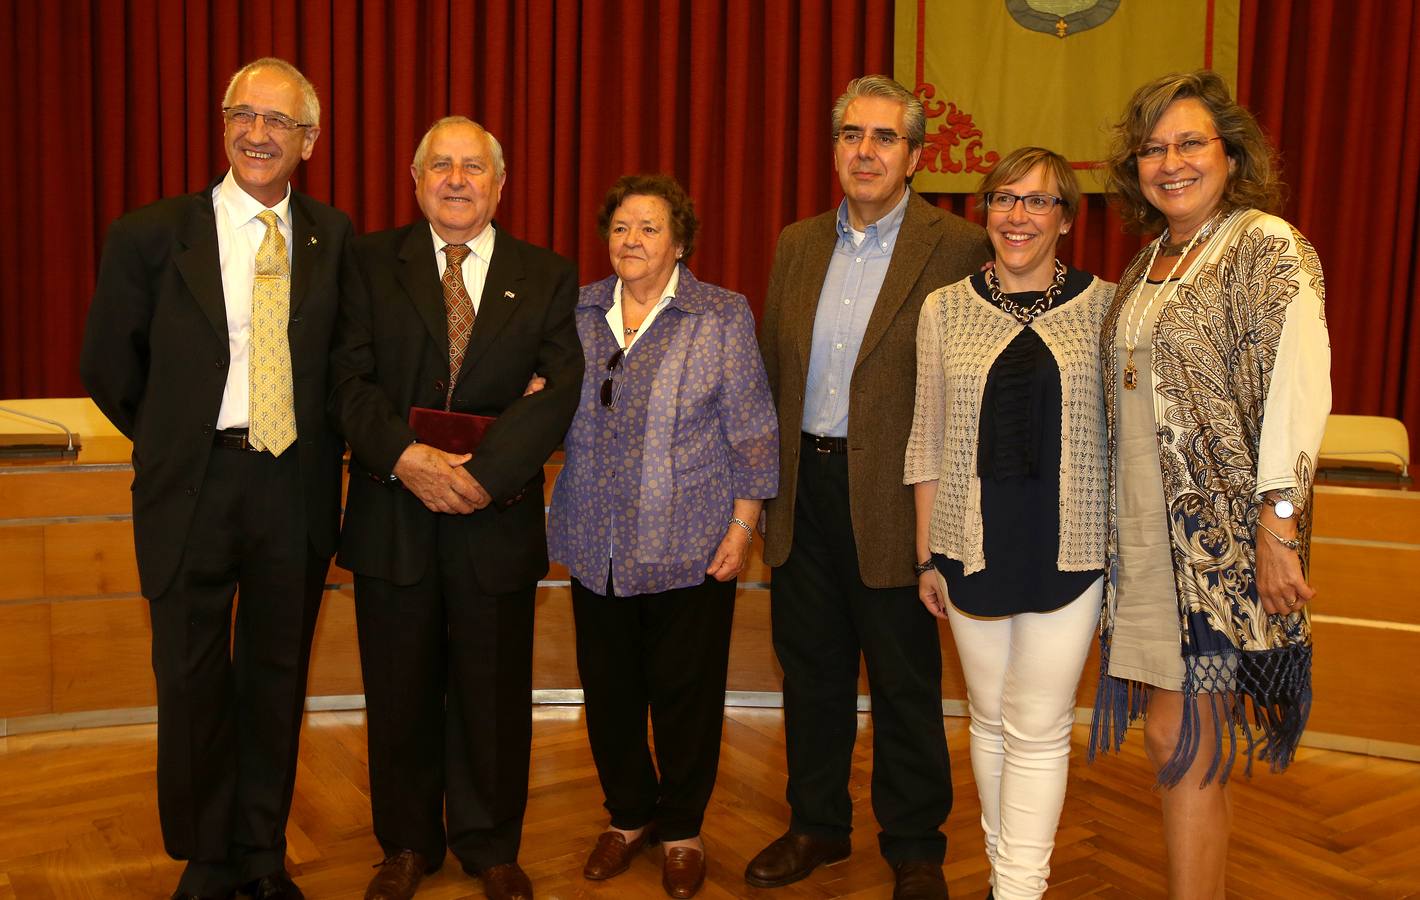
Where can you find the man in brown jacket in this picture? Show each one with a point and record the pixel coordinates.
(839, 344)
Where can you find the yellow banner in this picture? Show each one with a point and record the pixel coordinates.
(995, 75)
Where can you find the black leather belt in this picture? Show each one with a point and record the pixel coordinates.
(822, 444)
(233, 439)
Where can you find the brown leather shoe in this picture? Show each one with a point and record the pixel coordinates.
(613, 854)
(792, 857)
(399, 876)
(683, 872)
(919, 879)
(506, 881)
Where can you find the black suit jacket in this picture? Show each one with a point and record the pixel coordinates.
(155, 361)
(391, 353)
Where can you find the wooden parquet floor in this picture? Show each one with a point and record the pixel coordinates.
(77, 820)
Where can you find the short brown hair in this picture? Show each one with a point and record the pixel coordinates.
(1020, 162)
(1253, 181)
(684, 224)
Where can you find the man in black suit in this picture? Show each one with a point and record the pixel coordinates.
(206, 345)
(446, 548)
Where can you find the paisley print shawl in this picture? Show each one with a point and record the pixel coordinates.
(1241, 375)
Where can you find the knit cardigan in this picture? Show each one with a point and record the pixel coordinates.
(959, 336)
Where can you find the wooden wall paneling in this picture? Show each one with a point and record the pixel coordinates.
(1360, 582)
(102, 656)
(89, 558)
(21, 561)
(335, 652)
(1364, 681)
(24, 660)
(554, 640)
(1371, 514)
(65, 491)
(753, 665)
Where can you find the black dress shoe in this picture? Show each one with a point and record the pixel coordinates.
(792, 857)
(276, 886)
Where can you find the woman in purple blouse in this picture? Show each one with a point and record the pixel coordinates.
(671, 453)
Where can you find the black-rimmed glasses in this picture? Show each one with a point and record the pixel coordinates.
(1036, 204)
(609, 387)
(240, 115)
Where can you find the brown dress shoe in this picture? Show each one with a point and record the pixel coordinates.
(792, 857)
(399, 876)
(919, 879)
(683, 872)
(613, 854)
(506, 881)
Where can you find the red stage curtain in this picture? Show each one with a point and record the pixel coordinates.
(113, 104)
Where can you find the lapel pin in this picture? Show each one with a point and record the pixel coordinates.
(312, 242)
(510, 295)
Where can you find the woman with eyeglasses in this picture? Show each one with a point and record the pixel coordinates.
(1217, 386)
(1007, 457)
(669, 458)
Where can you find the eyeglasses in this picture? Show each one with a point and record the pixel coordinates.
(1188, 148)
(852, 136)
(609, 388)
(1036, 204)
(240, 115)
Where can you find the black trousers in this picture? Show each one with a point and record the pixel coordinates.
(822, 617)
(448, 702)
(229, 705)
(668, 651)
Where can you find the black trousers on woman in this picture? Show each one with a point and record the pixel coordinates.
(668, 652)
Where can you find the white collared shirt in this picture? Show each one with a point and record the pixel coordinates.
(617, 322)
(239, 236)
(474, 266)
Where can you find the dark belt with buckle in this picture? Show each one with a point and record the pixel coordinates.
(233, 439)
(822, 444)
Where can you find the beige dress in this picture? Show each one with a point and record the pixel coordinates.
(1147, 625)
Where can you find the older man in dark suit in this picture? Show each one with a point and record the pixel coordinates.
(839, 344)
(447, 548)
(207, 345)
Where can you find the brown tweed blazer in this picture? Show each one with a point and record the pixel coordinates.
(934, 248)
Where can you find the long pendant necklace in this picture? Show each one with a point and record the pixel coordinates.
(1131, 371)
(1024, 314)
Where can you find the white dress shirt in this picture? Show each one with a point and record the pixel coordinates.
(615, 319)
(474, 266)
(239, 236)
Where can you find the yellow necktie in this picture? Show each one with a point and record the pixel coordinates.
(459, 309)
(271, 401)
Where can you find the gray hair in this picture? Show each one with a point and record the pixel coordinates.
(914, 118)
(310, 103)
(422, 150)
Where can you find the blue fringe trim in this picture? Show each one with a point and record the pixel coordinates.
(1275, 683)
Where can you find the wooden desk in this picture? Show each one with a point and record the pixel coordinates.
(74, 633)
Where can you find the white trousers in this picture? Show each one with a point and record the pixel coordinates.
(1021, 674)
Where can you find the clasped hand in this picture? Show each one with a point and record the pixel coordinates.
(440, 480)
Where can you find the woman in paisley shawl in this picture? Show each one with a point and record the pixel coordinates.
(1217, 388)
(673, 449)
(1006, 456)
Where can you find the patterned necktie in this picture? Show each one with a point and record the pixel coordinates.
(270, 400)
(459, 309)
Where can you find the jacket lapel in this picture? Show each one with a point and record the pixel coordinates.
(305, 252)
(418, 274)
(916, 237)
(200, 263)
(499, 301)
(804, 303)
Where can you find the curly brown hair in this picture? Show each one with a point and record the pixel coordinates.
(1254, 181)
(684, 224)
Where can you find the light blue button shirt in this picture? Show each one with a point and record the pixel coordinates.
(850, 289)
